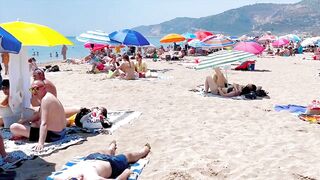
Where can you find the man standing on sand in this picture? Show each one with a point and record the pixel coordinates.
(64, 52)
(52, 123)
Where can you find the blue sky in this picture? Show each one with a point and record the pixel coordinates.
(72, 17)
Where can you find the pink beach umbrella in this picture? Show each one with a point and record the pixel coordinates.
(250, 47)
(280, 42)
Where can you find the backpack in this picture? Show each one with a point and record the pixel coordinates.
(54, 68)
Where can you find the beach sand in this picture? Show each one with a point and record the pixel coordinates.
(195, 137)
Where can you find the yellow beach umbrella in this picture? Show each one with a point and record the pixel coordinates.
(170, 38)
(30, 34)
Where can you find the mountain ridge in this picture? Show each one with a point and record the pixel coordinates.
(300, 17)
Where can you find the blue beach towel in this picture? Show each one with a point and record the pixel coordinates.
(295, 109)
(136, 168)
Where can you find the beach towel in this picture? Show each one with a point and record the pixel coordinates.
(200, 91)
(22, 150)
(292, 108)
(312, 118)
(117, 118)
(136, 168)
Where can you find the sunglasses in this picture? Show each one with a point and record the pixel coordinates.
(35, 89)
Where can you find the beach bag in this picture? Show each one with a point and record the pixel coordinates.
(247, 65)
(95, 120)
(314, 107)
(54, 68)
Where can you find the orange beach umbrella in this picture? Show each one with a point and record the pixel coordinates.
(170, 38)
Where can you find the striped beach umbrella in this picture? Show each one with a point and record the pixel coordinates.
(196, 43)
(218, 42)
(95, 37)
(223, 58)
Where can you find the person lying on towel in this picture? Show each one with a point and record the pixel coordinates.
(218, 85)
(52, 123)
(105, 164)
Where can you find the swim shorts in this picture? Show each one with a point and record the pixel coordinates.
(118, 163)
(51, 135)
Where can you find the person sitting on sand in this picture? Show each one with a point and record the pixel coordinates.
(105, 164)
(141, 66)
(126, 70)
(218, 85)
(52, 123)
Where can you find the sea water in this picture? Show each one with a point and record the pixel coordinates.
(49, 54)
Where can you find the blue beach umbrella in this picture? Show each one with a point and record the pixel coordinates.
(129, 37)
(8, 43)
(188, 35)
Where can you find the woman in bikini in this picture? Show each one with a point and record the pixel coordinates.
(218, 85)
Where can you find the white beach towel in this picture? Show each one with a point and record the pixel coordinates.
(117, 118)
(23, 150)
(136, 168)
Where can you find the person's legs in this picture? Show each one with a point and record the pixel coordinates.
(20, 130)
(6, 69)
(111, 149)
(221, 80)
(135, 156)
(210, 83)
(71, 111)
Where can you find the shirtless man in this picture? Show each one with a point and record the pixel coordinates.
(38, 74)
(52, 123)
(105, 164)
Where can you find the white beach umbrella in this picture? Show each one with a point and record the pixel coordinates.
(96, 36)
(224, 58)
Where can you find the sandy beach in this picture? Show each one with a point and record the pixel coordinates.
(196, 137)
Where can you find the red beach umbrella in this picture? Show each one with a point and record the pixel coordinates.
(203, 34)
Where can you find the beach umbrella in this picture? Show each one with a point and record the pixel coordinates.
(218, 42)
(203, 34)
(267, 37)
(129, 37)
(292, 37)
(171, 38)
(310, 41)
(97, 36)
(223, 58)
(8, 43)
(280, 42)
(196, 43)
(250, 47)
(31, 34)
(189, 35)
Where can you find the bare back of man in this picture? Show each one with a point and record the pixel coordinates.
(129, 70)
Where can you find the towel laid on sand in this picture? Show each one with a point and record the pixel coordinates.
(117, 118)
(22, 150)
(292, 108)
(200, 91)
(136, 168)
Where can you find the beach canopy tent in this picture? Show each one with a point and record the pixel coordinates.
(188, 35)
(250, 47)
(280, 42)
(223, 58)
(172, 38)
(218, 41)
(129, 37)
(97, 36)
(8, 43)
(29, 34)
(203, 34)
